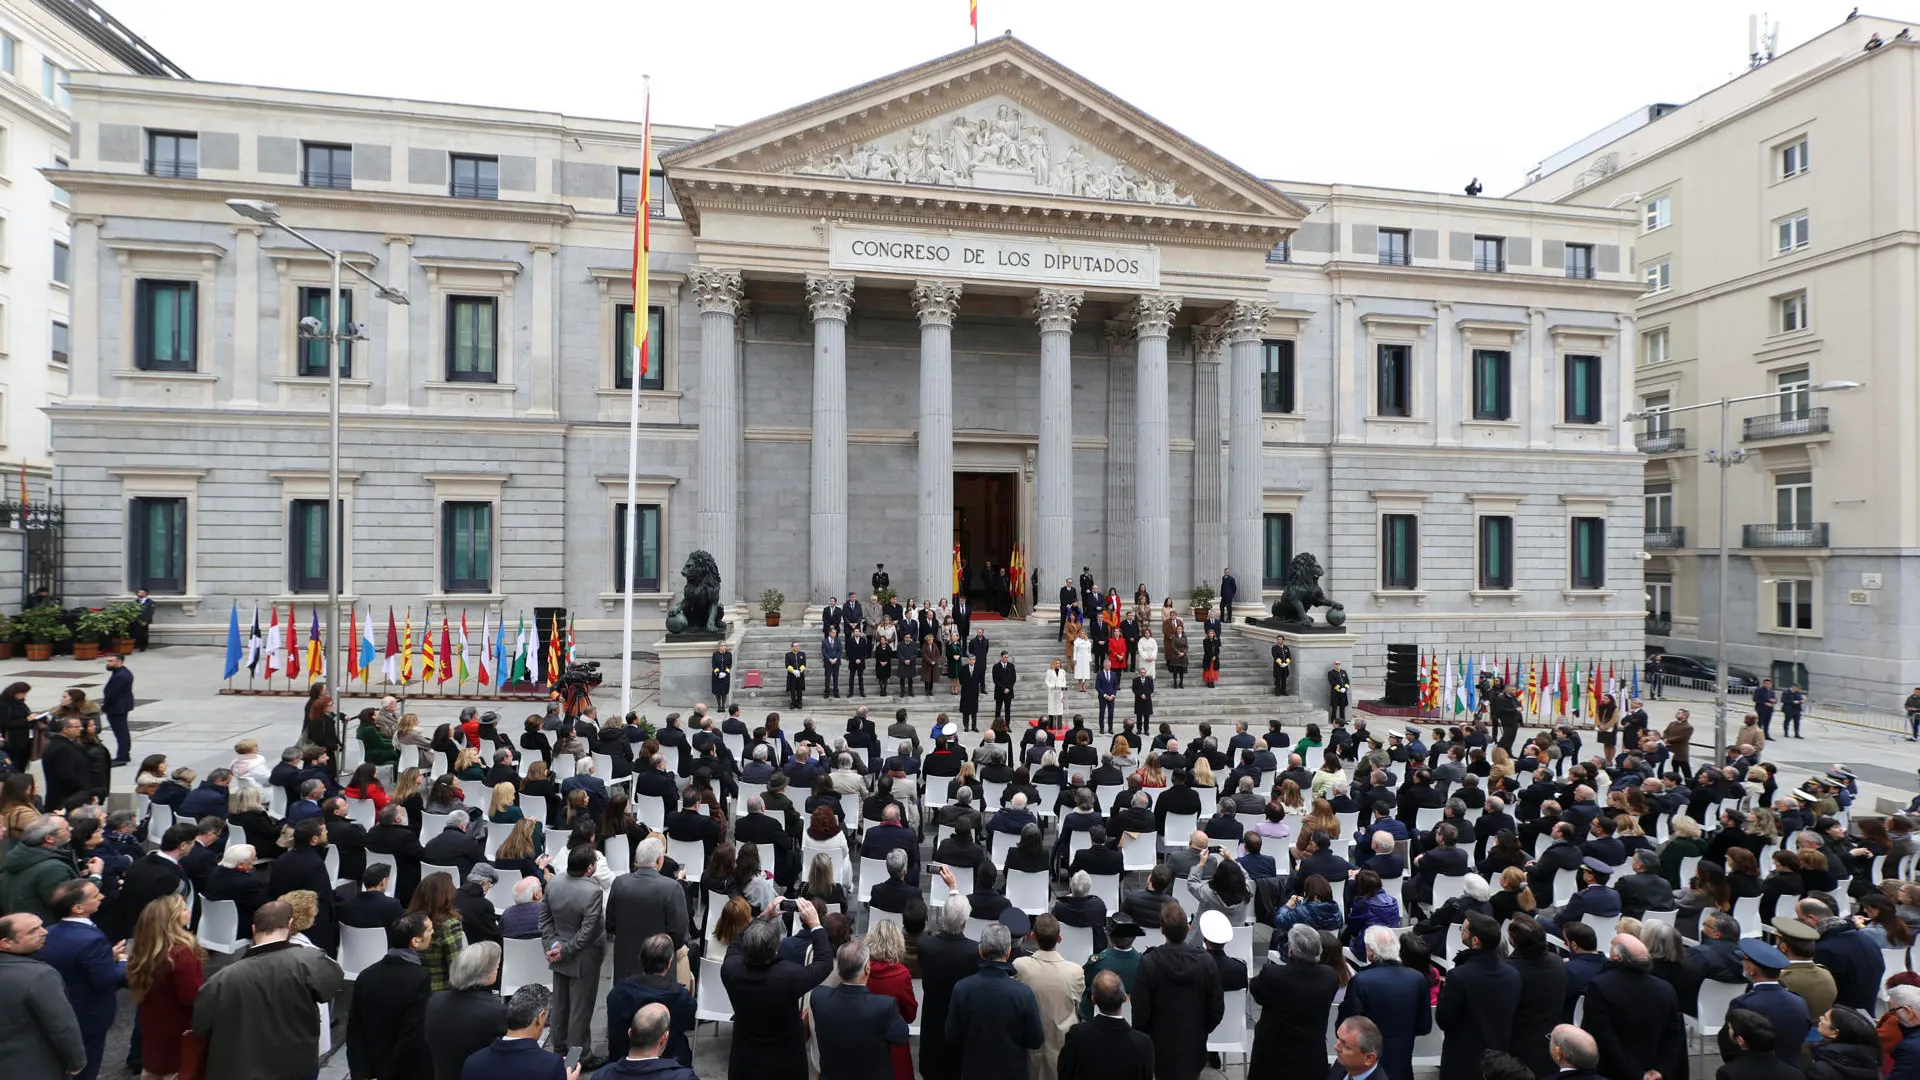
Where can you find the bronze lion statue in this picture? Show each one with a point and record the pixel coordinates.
(698, 610)
(1303, 594)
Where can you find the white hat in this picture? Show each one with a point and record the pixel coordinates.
(1215, 928)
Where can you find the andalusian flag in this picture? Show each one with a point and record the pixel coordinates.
(406, 650)
(1456, 700)
(1579, 688)
(446, 649)
(522, 653)
(316, 656)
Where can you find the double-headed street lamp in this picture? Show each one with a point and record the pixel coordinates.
(312, 329)
(1727, 457)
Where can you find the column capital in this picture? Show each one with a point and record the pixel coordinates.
(1054, 309)
(1152, 313)
(936, 301)
(1119, 333)
(719, 291)
(1207, 341)
(830, 296)
(1246, 320)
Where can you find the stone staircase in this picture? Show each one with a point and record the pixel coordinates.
(1245, 690)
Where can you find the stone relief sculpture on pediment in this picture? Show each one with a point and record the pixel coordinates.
(995, 145)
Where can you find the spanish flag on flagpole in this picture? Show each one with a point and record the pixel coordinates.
(973, 19)
(956, 569)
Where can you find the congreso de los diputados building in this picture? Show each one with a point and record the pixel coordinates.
(980, 302)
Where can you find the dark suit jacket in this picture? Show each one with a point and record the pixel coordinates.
(117, 695)
(1396, 998)
(1635, 1020)
(245, 890)
(519, 1059)
(83, 956)
(1555, 858)
(369, 910)
(945, 959)
(1786, 1010)
(400, 847)
(767, 1036)
(460, 1023)
(147, 880)
(1476, 1008)
(858, 1031)
(992, 1022)
(1759, 1067)
(1290, 1038)
(1641, 893)
(455, 848)
(306, 869)
(386, 1023)
(1106, 1048)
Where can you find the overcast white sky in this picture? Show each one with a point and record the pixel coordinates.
(1404, 93)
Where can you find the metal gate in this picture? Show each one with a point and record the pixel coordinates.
(43, 527)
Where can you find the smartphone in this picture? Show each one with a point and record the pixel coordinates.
(573, 1058)
(789, 905)
(1215, 848)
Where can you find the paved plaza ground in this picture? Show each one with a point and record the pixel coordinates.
(183, 715)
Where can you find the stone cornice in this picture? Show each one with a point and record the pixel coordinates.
(216, 192)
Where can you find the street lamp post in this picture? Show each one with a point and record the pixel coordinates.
(335, 331)
(1726, 458)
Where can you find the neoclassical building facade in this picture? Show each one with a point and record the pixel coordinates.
(977, 303)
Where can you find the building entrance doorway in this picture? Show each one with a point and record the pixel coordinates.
(986, 525)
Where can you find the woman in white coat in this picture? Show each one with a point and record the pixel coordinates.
(1082, 661)
(1056, 693)
(1149, 653)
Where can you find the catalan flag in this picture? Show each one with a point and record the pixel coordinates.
(429, 659)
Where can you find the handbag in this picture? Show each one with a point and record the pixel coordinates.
(1212, 675)
(193, 1056)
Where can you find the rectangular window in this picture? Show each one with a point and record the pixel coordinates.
(62, 263)
(466, 540)
(1659, 506)
(60, 196)
(1276, 376)
(1790, 233)
(1489, 254)
(657, 194)
(173, 153)
(326, 166)
(656, 376)
(1793, 500)
(1394, 246)
(307, 553)
(61, 343)
(629, 191)
(475, 177)
(1580, 261)
(313, 351)
(53, 84)
(1280, 252)
(1793, 312)
(1394, 367)
(1399, 551)
(157, 545)
(10, 54)
(1793, 605)
(1589, 553)
(471, 339)
(165, 325)
(646, 550)
(1583, 390)
(1793, 159)
(1795, 388)
(1659, 213)
(1276, 550)
(1492, 396)
(1659, 276)
(1496, 552)
(1660, 599)
(1656, 346)
(1659, 422)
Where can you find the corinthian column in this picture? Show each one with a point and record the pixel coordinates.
(936, 301)
(1209, 547)
(1152, 520)
(1055, 309)
(719, 295)
(831, 298)
(1245, 322)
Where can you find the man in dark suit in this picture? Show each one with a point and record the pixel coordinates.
(1843, 949)
(1477, 1002)
(517, 1054)
(235, 881)
(1584, 963)
(91, 967)
(1323, 862)
(1786, 1011)
(1596, 898)
(1004, 678)
(1445, 859)
(980, 649)
(209, 839)
(1229, 589)
(306, 803)
(157, 875)
(455, 846)
(1758, 1049)
(305, 867)
(391, 838)
(1106, 687)
(963, 616)
(1635, 1017)
(796, 665)
(344, 835)
(1574, 1052)
(116, 700)
(970, 696)
(1561, 854)
(64, 764)
(370, 907)
(1645, 889)
(1394, 997)
(1106, 1047)
(765, 990)
(1069, 596)
(757, 826)
(1382, 859)
(947, 956)
(1492, 819)
(858, 1029)
(386, 1022)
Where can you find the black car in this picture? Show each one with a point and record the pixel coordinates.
(1700, 673)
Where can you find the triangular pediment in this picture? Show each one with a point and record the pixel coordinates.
(1000, 121)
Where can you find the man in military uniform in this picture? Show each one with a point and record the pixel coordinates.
(796, 662)
(1282, 667)
(1118, 957)
(880, 578)
(722, 675)
(1338, 683)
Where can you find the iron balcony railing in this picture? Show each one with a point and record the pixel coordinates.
(1672, 537)
(179, 170)
(1584, 271)
(1813, 534)
(1394, 258)
(1494, 265)
(467, 189)
(1661, 442)
(1659, 625)
(1811, 421)
(340, 181)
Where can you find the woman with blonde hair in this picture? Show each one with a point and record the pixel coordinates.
(165, 970)
(1151, 774)
(888, 977)
(306, 909)
(1331, 772)
(1290, 797)
(1203, 775)
(1683, 842)
(1501, 765)
(467, 766)
(409, 734)
(1515, 895)
(523, 852)
(407, 792)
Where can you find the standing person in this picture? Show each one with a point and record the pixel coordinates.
(1149, 653)
(1176, 650)
(1069, 597)
(1229, 589)
(387, 1021)
(1057, 984)
(1394, 997)
(1004, 678)
(769, 1041)
(1543, 992)
(722, 684)
(1786, 1012)
(963, 615)
(573, 928)
(1477, 1002)
(883, 656)
(857, 1030)
(1793, 702)
(1142, 700)
(469, 1015)
(1679, 739)
(1912, 706)
(1357, 1043)
(1338, 684)
(881, 580)
(831, 653)
(969, 697)
(1106, 686)
(859, 651)
(116, 700)
(1177, 1000)
(1056, 681)
(90, 966)
(642, 903)
(1282, 666)
(1290, 1038)
(947, 956)
(1654, 671)
(165, 970)
(517, 1054)
(651, 1027)
(1764, 700)
(63, 761)
(1082, 661)
(1106, 1047)
(17, 724)
(1635, 1017)
(260, 1015)
(796, 662)
(42, 1036)
(993, 1022)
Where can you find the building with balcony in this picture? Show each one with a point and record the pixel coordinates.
(978, 303)
(1780, 248)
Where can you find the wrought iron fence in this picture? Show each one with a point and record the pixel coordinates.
(1813, 534)
(1811, 421)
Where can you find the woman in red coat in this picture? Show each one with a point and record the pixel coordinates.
(1117, 651)
(888, 976)
(164, 973)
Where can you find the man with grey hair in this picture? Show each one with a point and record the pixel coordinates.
(1575, 1052)
(1645, 889)
(896, 892)
(947, 956)
(993, 1020)
(1357, 1044)
(765, 988)
(1635, 1018)
(1106, 1047)
(522, 920)
(462, 1020)
(1287, 1040)
(762, 829)
(1395, 997)
(857, 1029)
(1717, 956)
(37, 865)
(644, 902)
(518, 1053)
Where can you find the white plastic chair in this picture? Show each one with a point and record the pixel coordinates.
(497, 835)
(872, 872)
(603, 767)
(361, 811)
(962, 882)
(501, 895)
(1076, 943)
(1746, 910)
(690, 854)
(768, 852)
(1027, 890)
(556, 844)
(619, 855)
(1229, 1036)
(651, 810)
(1140, 853)
(432, 825)
(1176, 828)
(563, 766)
(535, 807)
(710, 1000)
(362, 946)
(1446, 887)
(219, 926)
(428, 869)
(477, 795)
(523, 962)
(999, 843)
(1107, 888)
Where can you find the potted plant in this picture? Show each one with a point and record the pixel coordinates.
(39, 627)
(94, 627)
(128, 614)
(6, 638)
(770, 602)
(884, 595)
(1202, 600)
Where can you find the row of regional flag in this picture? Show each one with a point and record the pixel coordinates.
(495, 658)
(1555, 686)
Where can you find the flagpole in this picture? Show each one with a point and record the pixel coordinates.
(640, 346)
